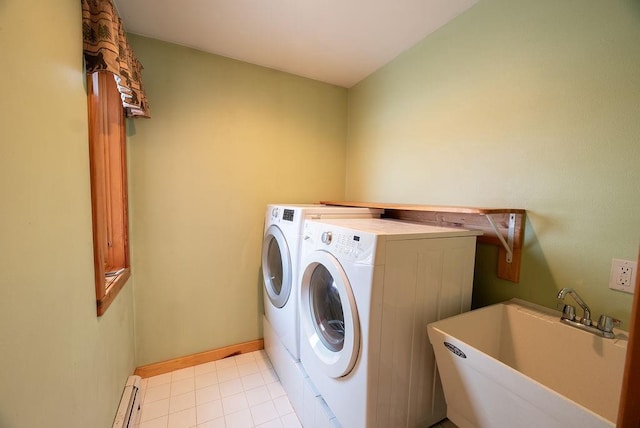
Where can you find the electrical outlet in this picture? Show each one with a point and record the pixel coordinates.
(623, 275)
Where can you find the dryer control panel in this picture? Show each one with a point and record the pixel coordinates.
(278, 213)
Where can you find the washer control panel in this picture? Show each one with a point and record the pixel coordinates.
(344, 243)
(347, 245)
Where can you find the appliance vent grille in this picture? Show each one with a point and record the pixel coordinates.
(129, 408)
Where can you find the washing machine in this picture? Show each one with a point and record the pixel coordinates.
(368, 289)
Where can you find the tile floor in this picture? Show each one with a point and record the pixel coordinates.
(236, 392)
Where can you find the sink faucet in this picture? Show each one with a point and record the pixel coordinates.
(586, 316)
(605, 323)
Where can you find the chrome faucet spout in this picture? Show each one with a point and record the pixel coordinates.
(586, 318)
(605, 323)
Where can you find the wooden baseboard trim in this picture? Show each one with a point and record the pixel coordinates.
(199, 358)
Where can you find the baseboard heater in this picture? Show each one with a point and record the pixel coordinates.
(129, 408)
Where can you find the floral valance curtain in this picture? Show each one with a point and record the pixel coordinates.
(106, 49)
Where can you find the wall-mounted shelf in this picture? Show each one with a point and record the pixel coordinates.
(503, 227)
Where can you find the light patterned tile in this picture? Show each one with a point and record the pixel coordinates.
(264, 412)
(237, 392)
(182, 402)
(252, 381)
(264, 365)
(206, 379)
(275, 423)
(276, 390)
(216, 423)
(155, 423)
(225, 363)
(283, 405)
(290, 421)
(248, 368)
(159, 380)
(269, 376)
(258, 395)
(204, 368)
(231, 387)
(228, 373)
(180, 374)
(234, 403)
(210, 393)
(182, 419)
(244, 358)
(261, 355)
(183, 386)
(154, 410)
(241, 419)
(157, 393)
(209, 411)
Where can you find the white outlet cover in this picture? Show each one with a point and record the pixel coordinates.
(619, 281)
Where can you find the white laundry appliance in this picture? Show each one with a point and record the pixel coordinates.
(280, 268)
(281, 262)
(368, 289)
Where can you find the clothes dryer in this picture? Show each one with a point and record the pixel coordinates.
(281, 260)
(368, 289)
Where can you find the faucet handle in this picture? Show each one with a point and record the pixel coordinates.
(569, 312)
(606, 323)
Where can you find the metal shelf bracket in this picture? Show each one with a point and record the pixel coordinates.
(507, 244)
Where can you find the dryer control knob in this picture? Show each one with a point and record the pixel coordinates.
(326, 237)
(274, 213)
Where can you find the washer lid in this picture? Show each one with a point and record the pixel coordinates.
(329, 316)
(276, 266)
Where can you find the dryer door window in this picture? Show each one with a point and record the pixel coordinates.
(329, 316)
(276, 266)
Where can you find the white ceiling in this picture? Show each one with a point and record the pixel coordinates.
(335, 41)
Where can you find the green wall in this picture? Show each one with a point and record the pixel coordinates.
(225, 139)
(60, 365)
(527, 104)
(530, 104)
